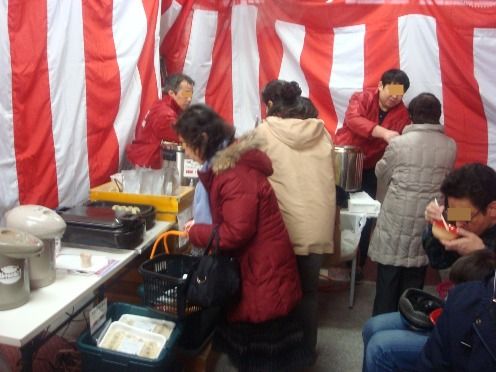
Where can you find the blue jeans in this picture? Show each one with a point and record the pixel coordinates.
(390, 345)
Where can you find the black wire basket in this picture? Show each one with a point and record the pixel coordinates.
(165, 281)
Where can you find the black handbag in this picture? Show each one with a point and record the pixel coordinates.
(215, 280)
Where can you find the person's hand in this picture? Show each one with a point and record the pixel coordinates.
(433, 211)
(467, 243)
(188, 225)
(389, 135)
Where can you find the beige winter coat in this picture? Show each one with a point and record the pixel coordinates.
(303, 180)
(411, 170)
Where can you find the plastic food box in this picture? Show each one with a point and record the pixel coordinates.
(133, 341)
(159, 326)
(167, 206)
(94, 358)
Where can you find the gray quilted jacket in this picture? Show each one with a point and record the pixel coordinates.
(408, 177)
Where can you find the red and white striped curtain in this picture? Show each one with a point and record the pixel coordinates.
(77, 76)
(334, 48)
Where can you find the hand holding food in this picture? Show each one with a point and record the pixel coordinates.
(466, 243)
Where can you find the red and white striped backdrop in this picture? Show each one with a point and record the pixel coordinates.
(76, 76)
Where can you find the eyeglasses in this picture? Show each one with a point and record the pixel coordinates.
(472, 216)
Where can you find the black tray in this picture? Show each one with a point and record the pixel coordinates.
(101, 226)
(146, 211)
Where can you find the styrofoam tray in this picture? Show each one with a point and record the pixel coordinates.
(131, 340)
(159, 326)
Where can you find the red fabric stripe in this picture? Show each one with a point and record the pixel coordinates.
(464, 118)
(175, 43)
(33, 137)
(146, 68)
(270, 52)
(316, 63)
(101, 104)
(218, 94)
(381, 50)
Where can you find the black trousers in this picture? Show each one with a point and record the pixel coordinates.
(391, 282)
(307, 309)
(369, 185)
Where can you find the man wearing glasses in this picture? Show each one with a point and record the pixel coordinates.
(470, 196)
(158, 125)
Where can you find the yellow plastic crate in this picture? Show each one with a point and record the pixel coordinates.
(167, 206)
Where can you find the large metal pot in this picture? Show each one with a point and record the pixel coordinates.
(348, 166)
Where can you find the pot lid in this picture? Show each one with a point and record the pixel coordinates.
(19, 244)
(40, 221)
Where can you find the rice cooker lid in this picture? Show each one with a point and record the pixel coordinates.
(40, 221)
(19, 244)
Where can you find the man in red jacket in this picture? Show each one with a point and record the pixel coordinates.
(158, 125)
(373, 117)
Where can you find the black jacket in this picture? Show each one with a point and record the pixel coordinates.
(464, 338)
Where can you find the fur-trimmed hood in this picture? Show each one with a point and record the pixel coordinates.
(246, 151)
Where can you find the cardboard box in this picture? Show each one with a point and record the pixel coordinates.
(167, 207)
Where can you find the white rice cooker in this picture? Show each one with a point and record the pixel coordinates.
(46, 225)
(15, 248)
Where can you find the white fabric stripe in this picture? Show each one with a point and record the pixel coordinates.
(292, 37)
(484, 52)
(128, 46)
(348, 66)
(245, 67)
(66, 73)
(198, 61)
(419, 56)
(156, 51)
(9, 190)
(168, 18)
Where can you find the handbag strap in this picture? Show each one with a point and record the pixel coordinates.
(214, 236)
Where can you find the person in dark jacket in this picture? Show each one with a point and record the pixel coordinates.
(260, 331)
(464, 338)
(158, 125)
(372, 119)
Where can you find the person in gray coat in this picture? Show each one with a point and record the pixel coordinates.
(409, 176)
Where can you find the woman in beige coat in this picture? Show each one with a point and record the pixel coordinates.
(301, 152)
(410, 173)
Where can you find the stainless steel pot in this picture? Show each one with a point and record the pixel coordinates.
(348, 166)
(15, 247)
(46, 225)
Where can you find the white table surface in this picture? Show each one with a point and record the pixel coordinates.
(50, 306)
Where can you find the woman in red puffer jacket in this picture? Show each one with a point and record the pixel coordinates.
(260, 331)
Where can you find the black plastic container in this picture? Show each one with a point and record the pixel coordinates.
(165, 282)
(102, 227)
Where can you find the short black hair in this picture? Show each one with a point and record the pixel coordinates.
(474, 181)
(425, 109)
(172, 82)
(203, 130)
(395, 76)
(474, 266)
